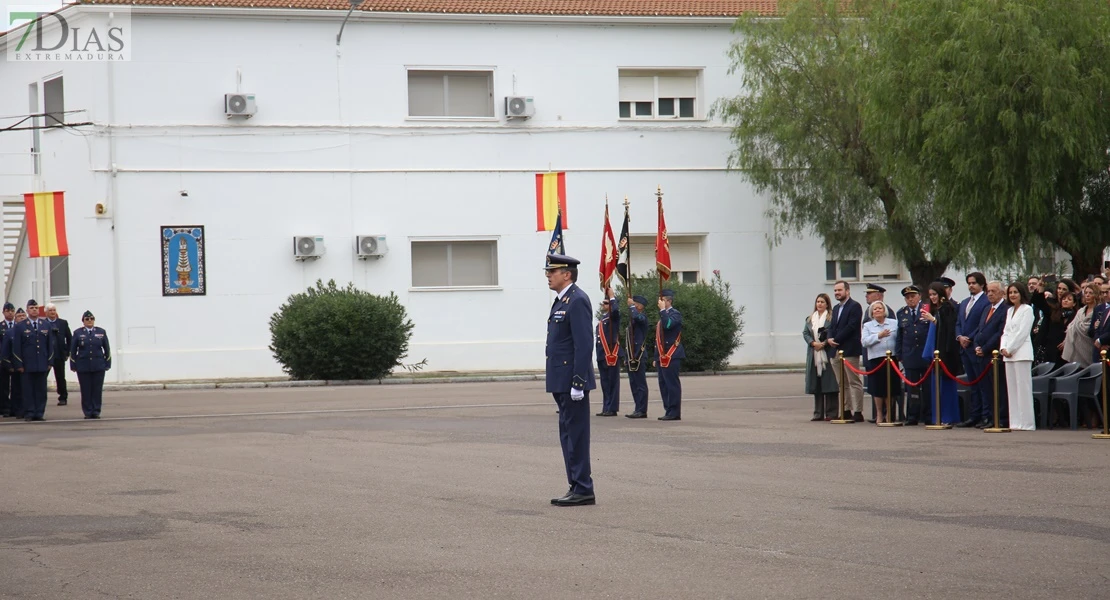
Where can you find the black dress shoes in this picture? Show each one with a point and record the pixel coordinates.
(61, 402)
(816, 418)
(636, 415)
(967, 423)
(984, 424)
(575, 500)
(670, 418)
(565, 496)
(910, 423)
(606, 413)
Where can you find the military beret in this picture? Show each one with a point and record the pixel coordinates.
(667, 293)
(910, 289)
(9, 306)
(946, 281)
(31, 303)
(640, 300)
(871, 287)
(88, 315)
(20, 311)
(560, 261)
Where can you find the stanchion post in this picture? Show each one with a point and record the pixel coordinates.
(840, 420)
(889, 397)
(994, 376)
(1105, 435)
(936, 394)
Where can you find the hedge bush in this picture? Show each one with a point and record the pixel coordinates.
(712, 325)
(336, 333)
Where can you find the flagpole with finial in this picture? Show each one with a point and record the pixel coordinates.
(628, 258)
(658, 271)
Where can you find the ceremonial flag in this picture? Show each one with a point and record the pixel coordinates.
(608, 251)
(624, 251)
(662, 246)
(46, 224)
(551, 200)
(556, 245)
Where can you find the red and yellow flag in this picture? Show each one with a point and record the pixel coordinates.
(551, 199)
(46, 224)
(662, 246)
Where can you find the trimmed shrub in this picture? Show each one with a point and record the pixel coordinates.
(340, 333)
(712, 325)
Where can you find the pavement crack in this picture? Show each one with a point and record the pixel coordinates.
(35, 556)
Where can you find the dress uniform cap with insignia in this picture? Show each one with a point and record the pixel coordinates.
(667, 293)
(640, 299)
(20, 311)
(9, 306)
(871, 287)
(31, 303)
(560, 261)
(910, 289)
(946, 281)
(88, 315)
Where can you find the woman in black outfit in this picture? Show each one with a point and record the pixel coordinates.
(1058, 310)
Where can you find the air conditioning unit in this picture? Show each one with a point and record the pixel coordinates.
(519, 107)
(370, 246)
(239, 105)
(308, 247)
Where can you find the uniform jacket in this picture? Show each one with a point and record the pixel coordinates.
(909, 343)
(670, 324)
(33, 347)
(6, 343)
(639, 351)
(89, 350)
(968, 324)
(847, 327)
(610, 327)
(989, 335)
(1015, 334)
(62, 338)
(570, 343)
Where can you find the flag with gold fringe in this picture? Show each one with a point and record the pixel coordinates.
(608, 263)
(46, 224)
(551, 201)
(662, 245)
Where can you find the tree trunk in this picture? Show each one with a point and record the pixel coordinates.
(1085, 261)
(924, 272)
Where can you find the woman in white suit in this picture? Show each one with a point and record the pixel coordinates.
(1016, 349)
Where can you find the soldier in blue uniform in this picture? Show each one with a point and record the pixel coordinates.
(90, 356)
(7, 407)
(6, 346)
(609, 355)
(570, 374)
(33, 356)
(669, 355)
(638, 355)
(909, 344)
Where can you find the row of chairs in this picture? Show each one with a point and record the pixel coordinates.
(1069, 384)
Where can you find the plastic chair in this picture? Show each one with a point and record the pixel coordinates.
(963, 392)
(1042, 369)
(1069, 388)
(1043, 387)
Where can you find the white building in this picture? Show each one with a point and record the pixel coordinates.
(401, 132)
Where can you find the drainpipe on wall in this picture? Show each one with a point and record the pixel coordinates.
(113, 206)
(771, 286)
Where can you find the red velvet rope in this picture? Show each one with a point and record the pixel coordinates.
(867, 374)
(953, 377)
(921, 381)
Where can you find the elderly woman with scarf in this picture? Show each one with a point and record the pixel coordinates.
(820, 379)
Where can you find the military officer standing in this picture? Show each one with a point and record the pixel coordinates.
(570, 374)
(90, 356)
(6, 347)
(59, 328)
(638, 355)
(33, 355)
(909, 344)
(669, 355)
(609, 355)
(7, 407)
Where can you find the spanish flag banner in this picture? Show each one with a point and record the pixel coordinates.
(551, 200)
(46, 224)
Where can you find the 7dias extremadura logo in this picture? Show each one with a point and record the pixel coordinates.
(37, 34)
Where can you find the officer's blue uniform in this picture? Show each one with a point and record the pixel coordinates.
(909, 344)
(669, 350)
(90, 356)
(33, 351)
(608, 336)
(570, 365)
(15, 377)
(639, 355)
(7, 408)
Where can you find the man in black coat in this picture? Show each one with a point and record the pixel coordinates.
(845, 335)
(59, 328)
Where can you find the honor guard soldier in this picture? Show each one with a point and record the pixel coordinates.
(33, 356)
(669, 355)
(638, 355)
(90, 357)
(609, 355)
(570, 374)
(7, 407)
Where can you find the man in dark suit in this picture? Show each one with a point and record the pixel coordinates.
(968, 318)
(845, 335)
(59, 327)
(910, 345)
(1098, 329)
(669, 352)
(638, 355)
(570, 374)
(987, 339)
(609, 355)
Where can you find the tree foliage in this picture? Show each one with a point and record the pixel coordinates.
(336, 333)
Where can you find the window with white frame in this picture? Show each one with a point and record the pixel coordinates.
(658, 94)
(882, 268)
(841, 269)
(59, 276)
(454, 263)
(685, 257)
(53, 101)
(450, 93)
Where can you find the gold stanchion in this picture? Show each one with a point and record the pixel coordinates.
(840, 420)
(1105, 435)
(889, 401)
(994, 375)
(936, 392)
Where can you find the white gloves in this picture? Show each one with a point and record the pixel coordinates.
(577, 394)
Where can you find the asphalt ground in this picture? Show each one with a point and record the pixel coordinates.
(442, 491)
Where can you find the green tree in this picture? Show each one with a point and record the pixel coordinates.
(1003, 106)
(799, 131)
(336, 333)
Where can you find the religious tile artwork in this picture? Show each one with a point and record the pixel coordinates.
(183, 260)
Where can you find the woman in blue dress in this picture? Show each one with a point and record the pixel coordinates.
(942, 337)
